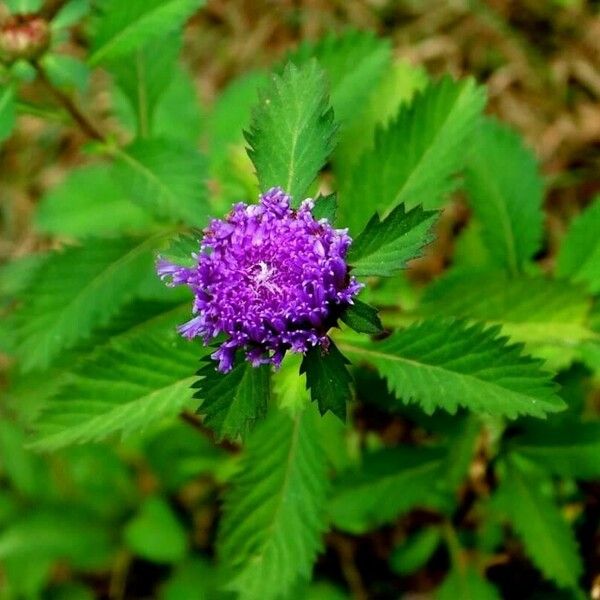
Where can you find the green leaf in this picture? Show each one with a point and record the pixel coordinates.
(166, 177)
(389, 482)
(194, 578)
(47, 533)
(132, 382)
(579, 255)
(415, 156)
(353, 62)
(155, 533)
(548, 539)
(7, 111)
(399, 85)
(567, 450)
(277, 496)
(66, 71)
(72, 12)
(415, 551)
(232, 402)
(384, 247)
(23, 6)
(362, 318)
(328, 379)
(292, 130)
(445, 365)
(467, 584)
(181, 248)
(77, 291)
(505, 190)
(325, 208)
(78, 207)
(146, 77)
(539, 312)
(125, 26)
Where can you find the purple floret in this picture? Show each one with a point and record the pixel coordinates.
(269, 277)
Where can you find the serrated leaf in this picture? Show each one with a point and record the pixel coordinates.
(447, 364)
(567, 450)
(278, 495)
(146, 76)
(548, 539)
(505, 190)
(539, 312)
(415, 156)
(353, 61)
(467, 584)
(130, 384)
(388, 483)
(362, 318)
(292, 130)
(328, 379)
(167, 178)
(385, 246)
(124, 26)
(7, 111)
(77, 291)
(78, 206)
(579, 255)
(234, 401)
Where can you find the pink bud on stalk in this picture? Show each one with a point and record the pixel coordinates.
(23, 37)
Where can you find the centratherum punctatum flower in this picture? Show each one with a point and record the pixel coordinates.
(269, 278)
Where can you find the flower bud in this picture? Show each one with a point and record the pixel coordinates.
(23, 37)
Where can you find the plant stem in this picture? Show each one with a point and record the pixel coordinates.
(69, 104)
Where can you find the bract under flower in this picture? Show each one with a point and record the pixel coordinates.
(268, 277)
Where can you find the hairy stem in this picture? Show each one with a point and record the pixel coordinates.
(70, 106)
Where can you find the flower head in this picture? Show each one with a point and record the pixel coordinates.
(268, 277)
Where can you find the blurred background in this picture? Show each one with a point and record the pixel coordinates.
(156, 496)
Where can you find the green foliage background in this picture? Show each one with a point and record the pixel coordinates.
(460, 431)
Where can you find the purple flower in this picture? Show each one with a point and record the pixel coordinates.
(268, 277)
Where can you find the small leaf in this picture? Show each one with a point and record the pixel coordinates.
(415, 551)
(325, 208)
(233, 402)
(71, 12)
(579, 255)
(547, 537)
(442, 364)
(278, 496)
(505, 189)
(292, 130)
(467, 584)
(7, 111)
(166, 177)
(362, 318)
(155, 533)
(66, 71)
(123, 27)
(384, 247)
(388, 483)
(23, 6)
(181, 248)
(328, 379)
